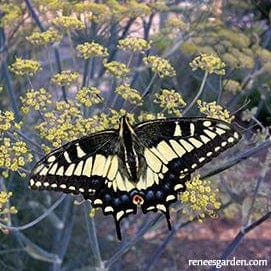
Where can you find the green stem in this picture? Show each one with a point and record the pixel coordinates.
(238, 158)
(147, 91)
(10, 89)
(240, 236)
(91, 231)
(35, 221)
(71, 47)
(198, 94)
(85, 72)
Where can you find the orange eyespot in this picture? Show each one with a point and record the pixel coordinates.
(137, 200)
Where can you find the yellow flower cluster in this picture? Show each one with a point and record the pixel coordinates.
(91, 49)
(130, 94)
(5, 209)
(61, 124)
(215, 111)
(13, 155)
(51, 5)
(232, 86)
(96, 12)
(175, 24)
(135, 9)
(199, 199)
(12, 13)
(116, 68)
(160, 66)
(89, 96)
(65, 123)
(134, 44)
(43, 38)
(65, 78)
(112, 121)
(170, 100)
(37, 100)
(209, 63)
(6, 119)
(25, 67)
(119, 10)
(68, 23)
(145, 116)
(158, 6)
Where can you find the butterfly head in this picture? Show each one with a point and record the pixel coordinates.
(125, 126)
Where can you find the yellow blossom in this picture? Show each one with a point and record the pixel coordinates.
(160, 66)
(51, 5)
(116, 68)
(91, 49)
(232, 86)
(119, 10)
(25, 67)
(209, 63)
(134, 44)
(199, 199)
(146, 116)
(5, 209)
(158, 6)
(112, 120)
(89, 96)
(61, 124)
(175, 23)
(129, 94)
(96, 12)
(135, 9)
(170, 100)
(65, 123)
(43, 38)
(65, 78)
(174, 26)
(13, 155)
(68, 23)
(36, 100)
(11, 14)
(6, 120)
(215, 111)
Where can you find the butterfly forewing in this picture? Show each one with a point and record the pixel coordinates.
(183, 145)
(69, 168)
(146, 165)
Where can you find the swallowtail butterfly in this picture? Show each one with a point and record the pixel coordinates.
(143, 165)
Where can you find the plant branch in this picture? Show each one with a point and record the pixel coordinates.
(238, 158)
(37, 220)
(240, 236)
(203, 82)
(93, 240)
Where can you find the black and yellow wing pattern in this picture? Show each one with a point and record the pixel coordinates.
(145, 165)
